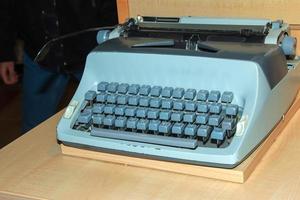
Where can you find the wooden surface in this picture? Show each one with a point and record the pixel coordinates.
(33, 166)
(123, 10)
(239, 174)
(288, 10)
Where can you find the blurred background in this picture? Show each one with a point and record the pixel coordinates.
(59, 34)
(10, 102)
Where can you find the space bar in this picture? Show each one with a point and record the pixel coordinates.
(147, 138)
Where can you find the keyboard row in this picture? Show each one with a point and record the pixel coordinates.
(202, 132)
(158, 103)
(158, 91)
(129, 111)
(131, 122)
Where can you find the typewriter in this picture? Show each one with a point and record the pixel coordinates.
(196, 90)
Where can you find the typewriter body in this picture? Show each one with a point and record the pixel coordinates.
(204, 91)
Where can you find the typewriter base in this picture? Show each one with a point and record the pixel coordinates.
(238, 174)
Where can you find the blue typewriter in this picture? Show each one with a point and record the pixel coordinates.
(203, 91)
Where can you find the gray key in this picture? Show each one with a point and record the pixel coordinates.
(134, 101)
(214, 96)
(141, 113)
(109, 109)
(123, 88)
(190, 129)
(152, 114)
(202, 95)
(218, 134)
(155, 91)
(153, 125)
(227, 97)
(178, 105)
(120, 110)
(112, 87)
(102, 86)
(202, 118)
(215, 120)
(131, 123)
(85, 116)
(101, 97)
(120, 122)
(83, 105)
(109, 120)
(144, 101)
(165, 115)
(147, 138)
(202, 107)
(215, 108)
(122, 99)
(90, 95)
(204, 131)
(190, 106)
(98, 108)
(178, 93)
(178, 128)
(155, 103)
(231, 110)
(189, 117)
(98, 119)
(228, 124)
(145, 90)
(176, 116)
(164, 127)
(190, 94)
(133, 89)
(142, 124)
(111, 98)
(167, 92)
(166, 104)
(130, 111)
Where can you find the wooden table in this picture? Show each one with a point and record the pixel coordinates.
(32, 167)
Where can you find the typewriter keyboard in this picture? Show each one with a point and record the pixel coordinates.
(159, 115)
